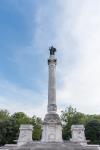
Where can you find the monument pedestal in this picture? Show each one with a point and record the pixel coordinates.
(78, 135)
(50, 146)
(52, 130)
(25, 134)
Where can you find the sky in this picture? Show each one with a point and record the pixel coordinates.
(27, 29)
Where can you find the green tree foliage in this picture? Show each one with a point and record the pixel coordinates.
(21, 118)
(37, 128)
(69, 117)
(92, 131)
(9, 126)
(4, 115)
(8, 131)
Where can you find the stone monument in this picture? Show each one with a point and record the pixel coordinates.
(78, 134)
(52, 130)
(25, 134)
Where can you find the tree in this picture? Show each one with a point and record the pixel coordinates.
(92, 131)
(66, 117)
(21, 118)
(9, 126)
(37, 128)
(8, 131)
(69, 117)
(4, 115)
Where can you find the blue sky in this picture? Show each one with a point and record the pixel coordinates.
(27, 29)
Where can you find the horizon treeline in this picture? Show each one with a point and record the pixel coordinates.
(9, 125)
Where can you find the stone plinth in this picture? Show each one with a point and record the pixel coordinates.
(51, 146)
(52, 130)
(25, 134)
(78, 134)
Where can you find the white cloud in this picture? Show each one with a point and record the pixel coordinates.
(73, 27)
(82, 87)
(76, 32)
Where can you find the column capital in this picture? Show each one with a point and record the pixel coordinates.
(52, 61)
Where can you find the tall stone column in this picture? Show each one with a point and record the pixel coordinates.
(52, 82)
(52, 130)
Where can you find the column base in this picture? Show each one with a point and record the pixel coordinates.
(52, 129)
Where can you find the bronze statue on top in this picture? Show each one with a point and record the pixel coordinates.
(52, 50)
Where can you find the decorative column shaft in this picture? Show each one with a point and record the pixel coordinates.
(52, 81)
